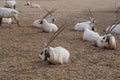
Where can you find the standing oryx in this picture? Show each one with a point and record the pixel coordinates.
(8, 13)
(57, 55)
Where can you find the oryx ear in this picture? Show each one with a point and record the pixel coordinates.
(50, 48)
(45, 44)
(90, 18)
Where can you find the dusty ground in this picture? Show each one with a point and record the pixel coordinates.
(20, 46)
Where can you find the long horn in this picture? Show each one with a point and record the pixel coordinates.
(50, 12)
(85, 12)
(90, 13)
(56, 34)
(112, 27)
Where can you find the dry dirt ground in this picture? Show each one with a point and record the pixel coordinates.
(20, 46)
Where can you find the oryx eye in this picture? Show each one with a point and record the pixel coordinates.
(103, 37)
(41, 22)
(41, 53)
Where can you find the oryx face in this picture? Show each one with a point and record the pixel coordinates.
(44, 54)
(106, 38)
(92, 20)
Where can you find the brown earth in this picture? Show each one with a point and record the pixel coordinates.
(20, 46)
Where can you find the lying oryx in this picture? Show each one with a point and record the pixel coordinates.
(108, 40)
(57, 55)
(87, 24)
(46, 25)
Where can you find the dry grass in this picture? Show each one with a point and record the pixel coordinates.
(20, 46)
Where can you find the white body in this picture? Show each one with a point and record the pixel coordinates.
(37, 24)
(58, 55)
(90, 35)
(35, 5)
(6, 20)
(8, 13)
(10, 3)
(82, 26)
(49, 27)
(116, 30)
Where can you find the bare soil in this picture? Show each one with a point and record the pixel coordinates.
(20, 46)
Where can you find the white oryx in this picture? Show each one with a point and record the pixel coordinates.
(87, 24)
(108, 40)
(8, 13)
(56, 55)
(45, 25)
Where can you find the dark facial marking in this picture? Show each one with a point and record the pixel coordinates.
(47, 55)
(41, 22)
(93, 29)
(41, 53)
(103, 37)
(108, 38)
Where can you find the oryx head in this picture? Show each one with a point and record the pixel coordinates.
(45, 53)
(48, 13)
(108, 37)
(92, 20)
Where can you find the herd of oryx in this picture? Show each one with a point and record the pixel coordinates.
(60, 55)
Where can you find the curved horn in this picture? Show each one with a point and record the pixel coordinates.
(56, 34)
(112, 27)
(50, 12)
(90, 13)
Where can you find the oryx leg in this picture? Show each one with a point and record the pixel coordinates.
(17, 21)
(0, 21)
